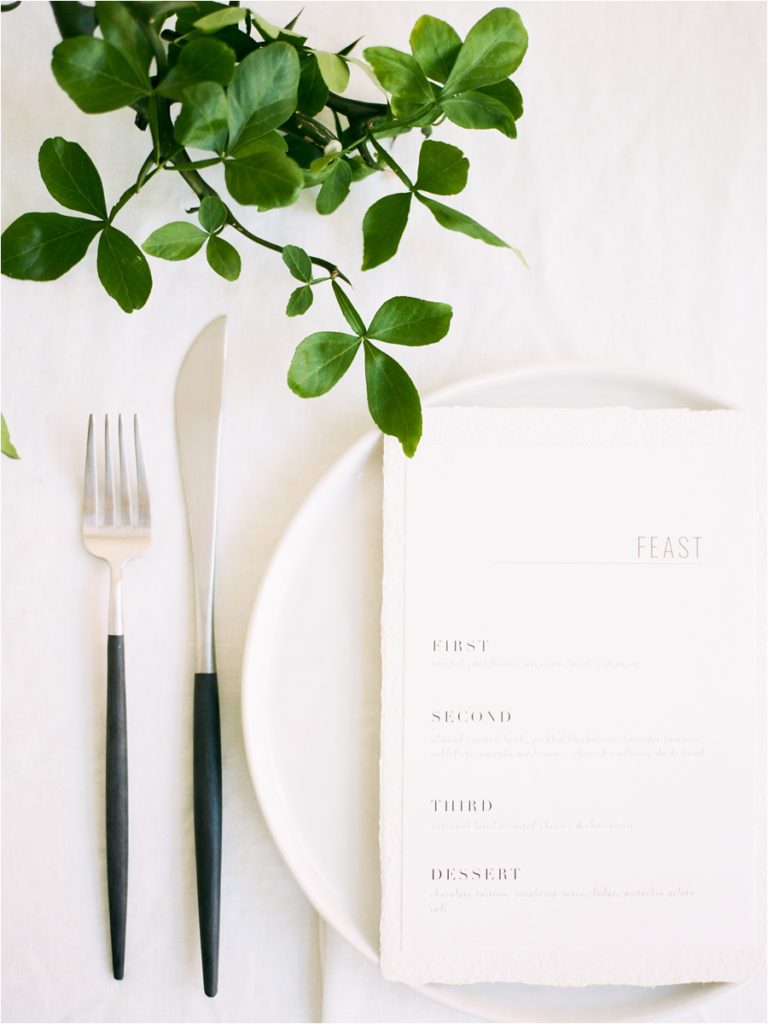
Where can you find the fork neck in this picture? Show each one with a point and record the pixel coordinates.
(115, 622)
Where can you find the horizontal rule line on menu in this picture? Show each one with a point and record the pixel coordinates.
(660, 562)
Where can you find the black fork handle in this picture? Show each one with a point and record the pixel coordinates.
(207, 801)
(117, 801)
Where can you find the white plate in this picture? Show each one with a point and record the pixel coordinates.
(311, 677)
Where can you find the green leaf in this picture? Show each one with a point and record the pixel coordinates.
(212, 213)
(407, 321)
(366, 69)
(313, 92)
(452, 219)
(267, 179)
(202, 123)
(223, 258)
(201, 60)
(220, 19)
(157, 10)
(335, 188)
(435, 46)
(175, 241)
(320, 361)
(121, 30)
(392, 398)
(123, 270)
(334, 70)
(262, 94)
(477, 110)
(383, 227)
(300, 301)
(302, 152)
(443, 169)
(493, 49)
(298, 262)
(71, 177)
(96, 76)
(317, 172)
(43, 246)
(248, 145)
(8, 447)
(73, 19)
(400, 74)
(360, 169)
(324, 161)
(268, 31)
(349, 312)
(506, 92)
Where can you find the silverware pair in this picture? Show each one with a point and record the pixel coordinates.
(116, 531)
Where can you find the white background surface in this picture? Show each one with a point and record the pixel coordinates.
(636, 190)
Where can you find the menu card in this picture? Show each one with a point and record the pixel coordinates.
(569, 703)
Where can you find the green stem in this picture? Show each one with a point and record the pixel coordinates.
(371, 130)
(307, 128)
(201, 188)
(355, 110)
(156, 43)
(365, 153)
(198, 184)
(142, 178)
(153, 119)
(332, 269)
(392, 164)
(198, 165)
(167, 140)
(144, 170)
(235, 223)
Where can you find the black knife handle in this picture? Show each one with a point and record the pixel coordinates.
(117, 801)
(207, 800)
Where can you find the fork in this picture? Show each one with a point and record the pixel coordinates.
(113, 532)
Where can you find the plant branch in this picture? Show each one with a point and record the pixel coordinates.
(196, 182)
(371, 129)
(333, 270)
(356, 110)
(79, 19)
(365, 153)
(201, 188)
(307, 128)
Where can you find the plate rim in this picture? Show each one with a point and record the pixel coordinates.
(256, 738)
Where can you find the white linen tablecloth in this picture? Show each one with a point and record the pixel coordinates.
(636, 189)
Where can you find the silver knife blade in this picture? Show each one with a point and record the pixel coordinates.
(198, 430)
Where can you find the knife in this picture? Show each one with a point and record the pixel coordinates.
(198, 429)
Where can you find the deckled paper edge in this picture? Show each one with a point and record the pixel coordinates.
(760, 739)
(391, 757)
(471, 425)
(570, 969)
(604, 426)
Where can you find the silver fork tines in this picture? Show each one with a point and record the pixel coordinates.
(125, 490)
(114, 527)
(90, 501)
(142, 485)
